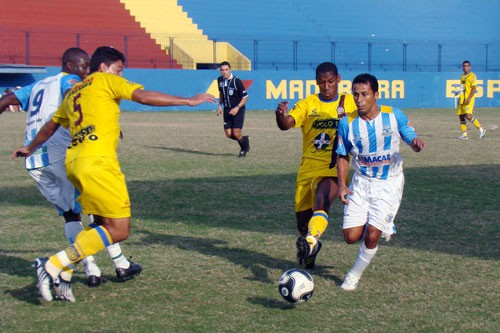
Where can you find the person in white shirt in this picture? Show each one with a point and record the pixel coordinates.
(372, 137)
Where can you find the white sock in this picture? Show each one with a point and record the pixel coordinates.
(313, 242)
(115, 252)
(363, 259)
(91, 267)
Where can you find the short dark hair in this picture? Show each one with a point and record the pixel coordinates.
(366, 78)
(105, 54)
(466, 62)
(71, 54)
(225, 63)
(327, 67)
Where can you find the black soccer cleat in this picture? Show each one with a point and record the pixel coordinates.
(125, 274)
(94, 281)
(303, 250)
(311, 260)
(242, 154)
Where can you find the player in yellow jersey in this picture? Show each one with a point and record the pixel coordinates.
(91, 112)
(465, 106)
(316, 185)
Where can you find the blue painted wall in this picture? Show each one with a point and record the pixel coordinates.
(401, 89)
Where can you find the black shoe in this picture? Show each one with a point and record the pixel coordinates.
(242, 154)
(311, 260)
(94, 281)
(303, 250)
(125, 274)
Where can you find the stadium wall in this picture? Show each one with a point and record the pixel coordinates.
(267, 88)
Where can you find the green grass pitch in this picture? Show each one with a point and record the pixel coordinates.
(215, 232)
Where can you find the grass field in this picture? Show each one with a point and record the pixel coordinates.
(214, 233)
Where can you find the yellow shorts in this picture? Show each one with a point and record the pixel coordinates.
(305, 193)
(465, 108)
(102, 186)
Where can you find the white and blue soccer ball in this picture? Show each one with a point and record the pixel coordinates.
(296, 286)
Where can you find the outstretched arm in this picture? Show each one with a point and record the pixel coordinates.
(43, 135)
(8, 99)
(156, 98)
(283, 120)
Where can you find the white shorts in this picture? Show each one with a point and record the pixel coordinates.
(375, 202)
(56, 188)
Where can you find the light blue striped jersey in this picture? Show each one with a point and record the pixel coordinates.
(41, 100)
(374, 144)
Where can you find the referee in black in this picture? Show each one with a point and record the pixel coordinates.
(232, 100)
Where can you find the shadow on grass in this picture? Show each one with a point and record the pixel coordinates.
(447, 209)
(442, 210)
(271, 303)
(26, 294)
(256, 263)
(188, 151)
(16, 266)
(22, 268)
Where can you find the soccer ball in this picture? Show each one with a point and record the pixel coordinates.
(296, 286)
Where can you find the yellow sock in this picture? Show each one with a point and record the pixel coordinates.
(463, 127)
(82, 233)
(67, 273)
(317, 226)
(87, 243)
(476, 123)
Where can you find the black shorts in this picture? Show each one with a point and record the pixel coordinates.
(234, 121)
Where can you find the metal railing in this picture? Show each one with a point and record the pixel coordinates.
(45, 48)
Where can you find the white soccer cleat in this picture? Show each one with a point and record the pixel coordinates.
(482, 133)
(463, 137)
(63, 291)
(350, 283)
(43, 279)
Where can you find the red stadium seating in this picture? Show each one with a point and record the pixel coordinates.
(38, 32)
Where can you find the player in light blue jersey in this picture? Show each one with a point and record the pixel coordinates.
(372, 137)
(46, 165)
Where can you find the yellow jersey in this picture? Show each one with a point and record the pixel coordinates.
(467, 81)
(91, 111)
(318, 120)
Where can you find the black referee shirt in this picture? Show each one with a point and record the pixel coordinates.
(231, 90)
